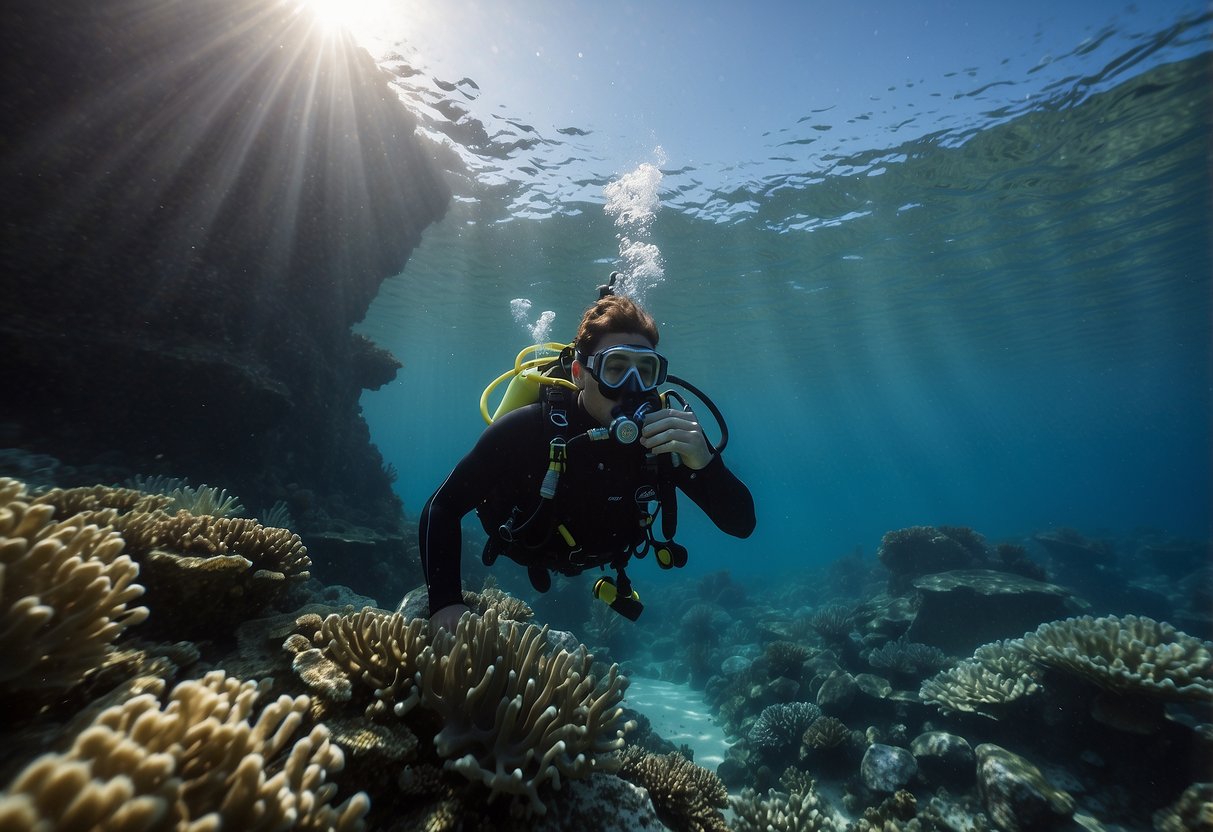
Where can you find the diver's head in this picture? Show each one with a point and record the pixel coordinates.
(616, 365)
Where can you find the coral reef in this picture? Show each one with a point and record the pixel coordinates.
(515, 716)
(200, 758)
(687, 798)
(922, 550)
(66, 595)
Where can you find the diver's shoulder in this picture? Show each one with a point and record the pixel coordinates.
(526, 418)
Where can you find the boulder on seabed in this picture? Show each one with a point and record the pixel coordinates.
(944, 759)
(1016, 794)
(966, 608)
(886, 768)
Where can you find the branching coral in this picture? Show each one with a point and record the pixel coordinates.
(1191, 812)
(516, 716)
(779, 727)
(200, 761)
(65, 591)
(825, 733)
(833, 622)
(784, 658)
(803, 811)
(69, 501)
(1128, 655)
(908, 658)
(920, 550)
(998, 674)
(507, 606)
(687, 798)
(379, 650)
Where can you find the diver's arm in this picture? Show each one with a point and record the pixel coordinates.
(723, 497)
(495, 456)
(440, 538)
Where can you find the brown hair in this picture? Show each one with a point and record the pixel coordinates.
(614, 313)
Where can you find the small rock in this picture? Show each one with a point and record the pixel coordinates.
(563, 640)
(944, 759)
(886, 768)
(837, 693)
(1016, 794)
(783, 689)
(734, 665)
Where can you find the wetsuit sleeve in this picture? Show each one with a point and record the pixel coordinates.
(721, 495)
(439, 535)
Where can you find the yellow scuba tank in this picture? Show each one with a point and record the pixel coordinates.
(526, 380)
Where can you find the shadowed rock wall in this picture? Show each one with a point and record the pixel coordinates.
(199, 200)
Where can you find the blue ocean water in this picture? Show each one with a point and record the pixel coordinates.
(1003, 323)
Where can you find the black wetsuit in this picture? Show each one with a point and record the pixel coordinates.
(600, 500)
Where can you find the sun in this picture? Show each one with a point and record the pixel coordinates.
(355, 16)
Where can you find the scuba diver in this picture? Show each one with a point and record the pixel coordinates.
(577, 478)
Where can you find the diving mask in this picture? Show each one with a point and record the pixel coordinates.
(627, 366)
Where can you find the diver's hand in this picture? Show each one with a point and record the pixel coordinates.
(676, 431)
(447, 618)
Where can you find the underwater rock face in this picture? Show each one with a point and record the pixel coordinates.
(1016, 794)
(964, 609)
(190, 237)
(886, 768)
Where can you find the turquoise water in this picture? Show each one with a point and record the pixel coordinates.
(1002, 324)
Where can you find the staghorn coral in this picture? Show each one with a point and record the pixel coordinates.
(200, 761)
(780, 726)
(514, 715)
(998, 674)
(803, 811)
(65, 588)
(1127, 655)
(1192, 812)
(687, 798)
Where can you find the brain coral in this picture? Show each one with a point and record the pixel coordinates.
(1130, 654)
(65, 588)
(200, 761)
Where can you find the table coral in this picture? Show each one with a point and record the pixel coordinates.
(998, 674)
(1127, 655)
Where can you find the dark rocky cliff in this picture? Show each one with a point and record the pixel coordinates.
(199, 200)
